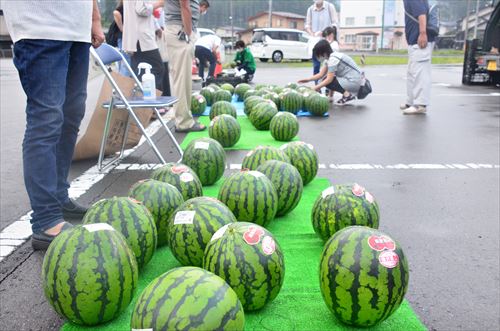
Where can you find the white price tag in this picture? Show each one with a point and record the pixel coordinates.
(98, 227)
(184, 217)
(201, 145)
(328, 191)
(256, 174)
(186, 177)
(219, 233)
(311, 147)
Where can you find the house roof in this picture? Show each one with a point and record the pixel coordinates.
(228, 28)
(367, 33)
(277, 13)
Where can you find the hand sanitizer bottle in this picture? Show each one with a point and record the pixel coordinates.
(148, 81)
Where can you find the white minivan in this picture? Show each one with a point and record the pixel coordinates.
(278, 44)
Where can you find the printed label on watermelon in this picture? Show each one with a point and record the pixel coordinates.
(186, 177)
(369, 197)
(179, 169)
(388, 259)
(252, 235)
(98, 227)
(256, 174)
(358, 190)
(219, 233)
(201, 145)
(135, 201)
(142, 329)
(380, 243)
(184, 217)
(212, 123)
(327, 192)
(283, 147)
(311, 147)
(200, 99)
(249, 153)
(268, 245)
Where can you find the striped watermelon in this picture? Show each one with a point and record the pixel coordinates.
(241, 89)
(304, 158)
(180, 176)
(208, 94)
(214, 87)
(192, 225)
(260, 154)
(161, 199)
(251, 102)
(89, 274)
(225, 129)
(132, 219)
(198, 104)
(291, 102)
(292, 85)
(343, 205)
(259, 87)
(363, 275)
(262, 114)
(249, 93)
(251, 197)
(304, 89)
(277, 89)
(250, 260)
(287, 182)
(228, 87)
(307, 99)
(207, 158)
(222, 107)
(318, 104)
(284, 126)
(188, 298)
(263, 91)
(274, 97)
(222, 95)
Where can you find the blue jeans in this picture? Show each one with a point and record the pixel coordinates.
(54, 77)
(316, 67)
(122, 69)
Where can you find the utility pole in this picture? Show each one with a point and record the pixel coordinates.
(477, 19)
(270, 13)
(383, 26)
(466, 34)
(232, 25)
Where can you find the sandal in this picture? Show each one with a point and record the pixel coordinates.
(195, 128)
(346, 99)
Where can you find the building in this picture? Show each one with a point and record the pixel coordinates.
(368, 25)
(229, 34)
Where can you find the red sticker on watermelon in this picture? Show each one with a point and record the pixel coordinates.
(268, 245)
(388, 259)
(179, 169)
(358, 190)
(252, 235)
(380, 243)
(369, 197)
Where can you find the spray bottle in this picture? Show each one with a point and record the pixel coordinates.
(148, 81)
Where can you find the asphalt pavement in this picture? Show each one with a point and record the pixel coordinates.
(435, 177)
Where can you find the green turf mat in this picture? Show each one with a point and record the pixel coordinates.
(299, 306)
(250, 136)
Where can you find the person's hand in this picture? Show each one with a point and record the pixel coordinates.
(159, 33)
(422, 40)
(303, 81)
(97, 33)
(317, 88)
(318, 34)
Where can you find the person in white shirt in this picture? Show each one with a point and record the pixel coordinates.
(206, 51)
(51, 54)
(330, 35)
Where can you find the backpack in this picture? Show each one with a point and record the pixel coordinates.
(432, 20)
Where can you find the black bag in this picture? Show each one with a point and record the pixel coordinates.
(365, 89)
(113, 34)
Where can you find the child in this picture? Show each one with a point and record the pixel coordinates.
(330, 35)
(244, 60)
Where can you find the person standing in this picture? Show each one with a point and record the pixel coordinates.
(320, 15)
(139, 37)
(206, 51)
(181, 19)
(420, 46)
(118, 18)
(51, 54)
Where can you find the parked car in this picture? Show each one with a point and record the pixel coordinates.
(278, 44)
(203, 32)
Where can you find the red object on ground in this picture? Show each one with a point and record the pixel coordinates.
(218, 67)
(156, 12)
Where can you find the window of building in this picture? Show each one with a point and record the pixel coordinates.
(278, 22)
(366, 43)
(349, 21)
(370, 20)
(292, 24)
(350, 38)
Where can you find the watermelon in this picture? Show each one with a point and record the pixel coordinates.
(304, 158)
(261, 154)
(263, 92)
(222, 95)
(307, 96)
(363, 276)
(250, 260)
(180, 176)
(291, 102)
(259, 87)
(207, 158)
(192, 225)
(251, 102)
(89, 274)
(241, 89)
(287, 182)
(208, 94)
(303, 89)
(293, 86)
(161, 199)
(225, 129)
(274, 97)
(132, 219)
(228, 87)
(251, 197)
(198, 104)
(343, 205)
(318, 105)
(284, 126)
(188, 298)
(214, 87)
(277, 89)
(222, 107)
(249, 93)
(262, 114)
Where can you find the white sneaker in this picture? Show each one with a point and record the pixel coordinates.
(404, 106)
(414, 110)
